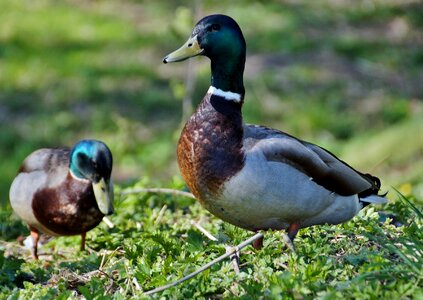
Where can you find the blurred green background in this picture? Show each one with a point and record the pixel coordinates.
(346, 75)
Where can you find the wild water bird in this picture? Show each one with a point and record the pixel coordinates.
(64, 191)
(251, 176)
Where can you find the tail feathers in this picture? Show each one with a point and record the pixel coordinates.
(371, 196)
(375, 199)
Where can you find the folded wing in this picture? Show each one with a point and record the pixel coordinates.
(317, 163)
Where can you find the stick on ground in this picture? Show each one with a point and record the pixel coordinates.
(205, 267)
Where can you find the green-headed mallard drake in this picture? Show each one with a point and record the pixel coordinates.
(64, 191)
(251, 176)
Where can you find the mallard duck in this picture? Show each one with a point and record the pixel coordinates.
(64, 191)
(255, 177)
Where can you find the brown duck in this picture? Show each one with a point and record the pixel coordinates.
(64, 191)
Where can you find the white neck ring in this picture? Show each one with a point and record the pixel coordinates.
(230, 96)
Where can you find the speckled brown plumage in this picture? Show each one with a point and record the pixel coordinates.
(68, 209)
(210, 147)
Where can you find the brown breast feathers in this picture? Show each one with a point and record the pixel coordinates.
(68, 209)
(210, 147)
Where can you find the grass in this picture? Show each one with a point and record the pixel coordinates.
(345, 75)
(153, 242)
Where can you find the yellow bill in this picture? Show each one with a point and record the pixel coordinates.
(103, 192)
(189, 49)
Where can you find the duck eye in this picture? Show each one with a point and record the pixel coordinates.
(215, 27)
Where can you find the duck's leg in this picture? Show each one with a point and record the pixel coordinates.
(289, 238)
(35, 234)
(258, 244)
(83, 236)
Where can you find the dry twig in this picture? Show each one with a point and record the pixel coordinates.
(234, 257)
(204, 231)
(206, 266)
(160, 215)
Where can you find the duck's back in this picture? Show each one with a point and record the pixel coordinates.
(53, 162)
(42, 168)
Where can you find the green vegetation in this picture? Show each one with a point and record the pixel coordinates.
(153, 242)
(344, 74)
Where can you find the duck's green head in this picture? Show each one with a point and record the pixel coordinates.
(92, 160)
(215, 36)
(219, 38)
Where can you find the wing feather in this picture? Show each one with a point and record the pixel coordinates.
(317, 163)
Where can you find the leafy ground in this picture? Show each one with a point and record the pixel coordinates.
(344, 74)
(154, 242)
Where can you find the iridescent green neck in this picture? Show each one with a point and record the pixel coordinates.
(75, 171)
(227, 74)
(78, 156)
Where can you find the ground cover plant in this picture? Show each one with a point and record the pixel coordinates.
(345, 75)
(154, 242)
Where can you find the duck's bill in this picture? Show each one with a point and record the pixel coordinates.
(189, 49)
(103, 192)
